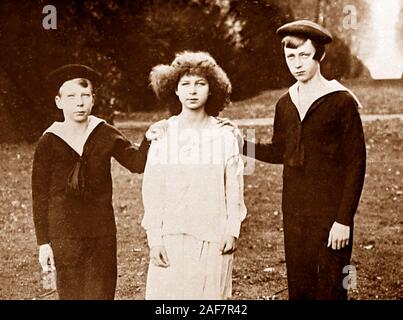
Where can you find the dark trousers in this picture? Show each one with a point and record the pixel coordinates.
(86, 268)
(314, 271)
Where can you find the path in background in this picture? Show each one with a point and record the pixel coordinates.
(258, 121)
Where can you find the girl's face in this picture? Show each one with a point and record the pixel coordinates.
(192, 91)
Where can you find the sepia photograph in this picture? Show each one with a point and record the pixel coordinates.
(204, 150)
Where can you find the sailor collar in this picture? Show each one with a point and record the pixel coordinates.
(333, 86)
(58, 129)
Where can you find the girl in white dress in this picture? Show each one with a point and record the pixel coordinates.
(192, 185)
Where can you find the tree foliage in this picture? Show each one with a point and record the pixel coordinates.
(124, 39)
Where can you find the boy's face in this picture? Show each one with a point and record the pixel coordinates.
(75, 100)
(192, 91)
(300, 61)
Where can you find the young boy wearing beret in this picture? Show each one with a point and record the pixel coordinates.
(318, 137)
(72, 188)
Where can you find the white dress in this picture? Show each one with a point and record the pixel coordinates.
(193, 196)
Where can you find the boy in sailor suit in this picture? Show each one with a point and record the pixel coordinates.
(72, 189)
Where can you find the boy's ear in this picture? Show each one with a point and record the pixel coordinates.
(57, 101)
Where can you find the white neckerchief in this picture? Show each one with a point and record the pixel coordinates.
(332, 86)
(58, 129)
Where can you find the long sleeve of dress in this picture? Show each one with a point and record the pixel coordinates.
(128, 155)
(41, 172)
(354, 154)
(153, 197)
(236, 210)
(268, 152)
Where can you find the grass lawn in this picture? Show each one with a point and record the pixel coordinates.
(378, 246)
(376, 97)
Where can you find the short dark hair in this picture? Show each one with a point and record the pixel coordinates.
(293, 42)
(80, 81)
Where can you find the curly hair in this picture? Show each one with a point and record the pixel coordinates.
(164, 80)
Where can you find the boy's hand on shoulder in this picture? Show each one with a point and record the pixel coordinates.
(159, 256)
(46, 258)
(228, 244)
(226, 123)
(157, 130)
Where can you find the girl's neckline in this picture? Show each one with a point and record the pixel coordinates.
(206, 123)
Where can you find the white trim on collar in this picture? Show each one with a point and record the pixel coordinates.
(58, 129)
(333, 86)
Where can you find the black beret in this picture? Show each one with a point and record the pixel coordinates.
(309, 29)
(56, 78)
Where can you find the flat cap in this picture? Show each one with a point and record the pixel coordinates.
(306, 28)
(56, 78)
